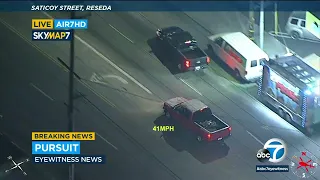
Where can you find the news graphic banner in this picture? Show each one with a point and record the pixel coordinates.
(304, 164)
(56, 147)
(63, 136)
(75, 159)
(56, 29)
(62, 147)
(145, 5)
(274, 151)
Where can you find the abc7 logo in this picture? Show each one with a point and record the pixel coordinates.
(263, 155)
(274, 151)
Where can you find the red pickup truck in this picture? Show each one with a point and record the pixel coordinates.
(195, 116)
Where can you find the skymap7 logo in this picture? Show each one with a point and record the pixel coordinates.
(52, 35)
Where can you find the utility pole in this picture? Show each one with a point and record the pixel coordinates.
(261, 24)
(71, 93)
(276, 18)
(251, 21)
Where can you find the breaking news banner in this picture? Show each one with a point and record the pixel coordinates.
(62, 147)
(55, 147)
(272, 168)
(45, 24)
(56, 29)
(72, 159)
(63, 136)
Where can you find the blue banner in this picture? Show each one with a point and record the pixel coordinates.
(70, 24)
(272, 168)
(55, 147)
(157, 6)
(74, 159)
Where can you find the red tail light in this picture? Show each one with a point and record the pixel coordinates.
(209, 136)
(187, 63)
(229, 128)
(208, 60)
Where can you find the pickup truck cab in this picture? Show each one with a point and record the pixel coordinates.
(193, 115)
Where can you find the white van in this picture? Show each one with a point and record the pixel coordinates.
(239, 53)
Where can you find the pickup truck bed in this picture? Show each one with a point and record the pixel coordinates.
(212, 125)
(215, 129)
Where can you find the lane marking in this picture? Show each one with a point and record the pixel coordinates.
(114, 65)
(95, 77)
(106, 59)
(105, 140)
(191, 87)
(56, 62)
(42, 92)
(121, 33)
(116, 77)
(99, 79)
(254, 137)
(99, 82)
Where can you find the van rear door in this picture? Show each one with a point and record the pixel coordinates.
(254, 69)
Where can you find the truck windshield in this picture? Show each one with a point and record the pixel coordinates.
(202, 115)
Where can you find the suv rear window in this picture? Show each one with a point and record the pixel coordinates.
(294, 21)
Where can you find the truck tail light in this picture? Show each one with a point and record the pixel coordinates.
(187, 63)
(208, 60)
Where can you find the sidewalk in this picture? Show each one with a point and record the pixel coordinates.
(236, 21)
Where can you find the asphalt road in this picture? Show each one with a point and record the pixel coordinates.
(8, 170)
(124, 38)
(33, 100)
